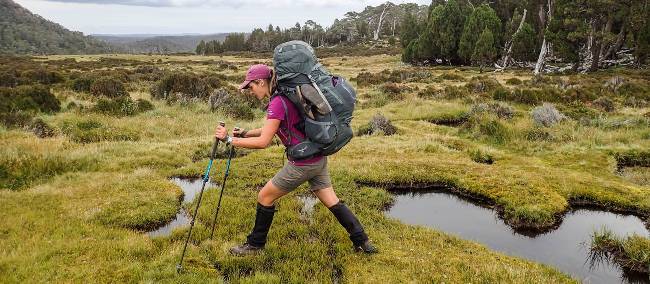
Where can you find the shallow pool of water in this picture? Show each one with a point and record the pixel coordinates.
(566, 248)
(191, 189)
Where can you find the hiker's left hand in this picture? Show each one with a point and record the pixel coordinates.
(221, 133)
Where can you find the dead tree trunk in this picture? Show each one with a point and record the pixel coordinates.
(596, 44)
(506, 57)
(541, 59)
(617, 45)
(606, 31)
(379, 22)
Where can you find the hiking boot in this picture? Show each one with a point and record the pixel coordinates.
(366, 247)
(245, 249)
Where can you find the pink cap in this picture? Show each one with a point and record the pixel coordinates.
(255, 72)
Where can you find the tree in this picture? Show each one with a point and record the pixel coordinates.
(363, 29)
(524, 43)
(446, 26)
(409, 30)
(409, 55)
(235, 42)
(484, 52)
(481, 18)
(200, 49)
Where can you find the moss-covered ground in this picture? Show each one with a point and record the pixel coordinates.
(76, 211)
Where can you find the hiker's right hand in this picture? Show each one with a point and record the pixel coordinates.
(221, 133)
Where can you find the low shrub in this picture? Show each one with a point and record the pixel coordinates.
(393, 91)
(233, 105)
(429, 92)
(82, 84)
(18, 105)
(454, 92)
(451, 77)
(605, 104)
(538, 134)
(501, 110)
(481, 157)
(41, 129)
(578, 111)
(123, 106)
(546, 115)
(144, 105)
(180, 87)
(379, 124)
(488, 127)
(482, 85)
(108, 87)
(528, 96)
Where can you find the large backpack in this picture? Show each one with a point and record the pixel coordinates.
(325, 101)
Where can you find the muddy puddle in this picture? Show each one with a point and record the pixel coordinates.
(566, 248)
(191, 189)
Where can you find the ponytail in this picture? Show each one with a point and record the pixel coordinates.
(273, 82)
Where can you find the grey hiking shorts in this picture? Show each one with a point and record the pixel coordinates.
(292, 176)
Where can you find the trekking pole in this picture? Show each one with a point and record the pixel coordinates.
(179, 266)
(223, 186)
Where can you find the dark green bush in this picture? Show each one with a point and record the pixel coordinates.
(108, 87)
(82, 84)
(18, 105)
(451, 77)
(40, 76)
(578, 111)
(123, 106)
(528, 96)
(180, 87)
(234, 105)
(41, 129)
(144, 105)
(8, 79)
(482, 85)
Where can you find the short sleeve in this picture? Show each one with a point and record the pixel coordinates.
(275, 110)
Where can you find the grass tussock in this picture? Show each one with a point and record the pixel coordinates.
(631, 252)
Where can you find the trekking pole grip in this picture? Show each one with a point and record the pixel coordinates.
(216, 143)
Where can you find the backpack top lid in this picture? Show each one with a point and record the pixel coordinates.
(293, 58)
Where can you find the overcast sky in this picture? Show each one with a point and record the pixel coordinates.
(190, 16)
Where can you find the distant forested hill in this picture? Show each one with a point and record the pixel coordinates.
(162, 44)
(22, 32)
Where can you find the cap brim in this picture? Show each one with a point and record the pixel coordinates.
(245, 84)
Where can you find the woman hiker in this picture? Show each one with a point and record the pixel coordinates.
(294, 173)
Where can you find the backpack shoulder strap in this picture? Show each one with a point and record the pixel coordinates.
(290, 125)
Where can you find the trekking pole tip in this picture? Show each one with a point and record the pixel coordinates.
(179, 268)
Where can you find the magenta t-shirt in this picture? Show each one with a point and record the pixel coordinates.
(276, 111)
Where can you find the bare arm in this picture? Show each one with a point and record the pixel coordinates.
(258, 138)
(253, 133)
